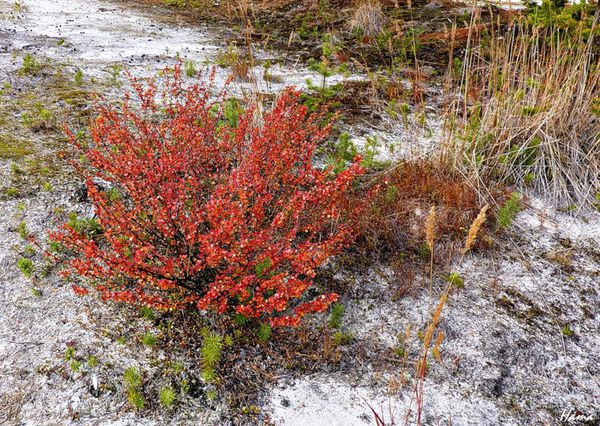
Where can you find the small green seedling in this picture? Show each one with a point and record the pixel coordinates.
(264, 332)
(455, 279)
(25, 266)
(507, 213)
(335, 318)
(566, 330)
(149, 340)
(167, 396)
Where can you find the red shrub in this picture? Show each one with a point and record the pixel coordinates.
(230, 217)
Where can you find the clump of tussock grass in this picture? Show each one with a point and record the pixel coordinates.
(523, 111)
(369, 19)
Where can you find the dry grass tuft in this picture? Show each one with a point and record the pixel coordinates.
(523, 111)
(369, 18)
(393, 221)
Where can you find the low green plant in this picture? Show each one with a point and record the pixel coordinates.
(132, 378)
(323, 93)
(399, 351)
(391, 194)
(114, 73)
(455, 279)
(264, 332)
(424, 251)
(30, 66)
(506, 213)
(22, 230)
(70, 353)
(136, 399)
(75, 366)
(370, 152)
(596, 202)
(39, 117)
(11, 192)
(343, 153)
(239, 320)
(342, 338)
(250, 410)
(228, 57)
(5, 88)
(89, 226)
(184, 386)
(25, 265)
(149, 340)
(78, 77)
(210, 354)
(55, 247)
(35, 292)
(209, 375)
(147, 313)
(16, 169)
(566, 330)
(71, 358)
(177, 366)
(560, 16)
(335, 317)
(232, 110)
(167, 396)
(189, 67)
(92, 361)
(12, 148)
(132, 381)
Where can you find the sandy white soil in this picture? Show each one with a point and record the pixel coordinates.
(505, 359)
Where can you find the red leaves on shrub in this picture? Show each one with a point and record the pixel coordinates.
(199, 207)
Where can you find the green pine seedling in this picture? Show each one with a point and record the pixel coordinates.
(167, 396)
(210, 354)
(335, 318)
(507, 213)
(25, 266)
(455, 279)
(132, 378)
(149, 340)
(136, 399)
(264, 332)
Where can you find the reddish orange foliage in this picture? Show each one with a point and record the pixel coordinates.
(226, 217)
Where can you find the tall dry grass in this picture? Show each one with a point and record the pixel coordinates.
(369, 18)
(524, 110)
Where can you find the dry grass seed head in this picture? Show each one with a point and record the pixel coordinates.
(430, 228)
(436, 346)
(434, 321)
(474, 229)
